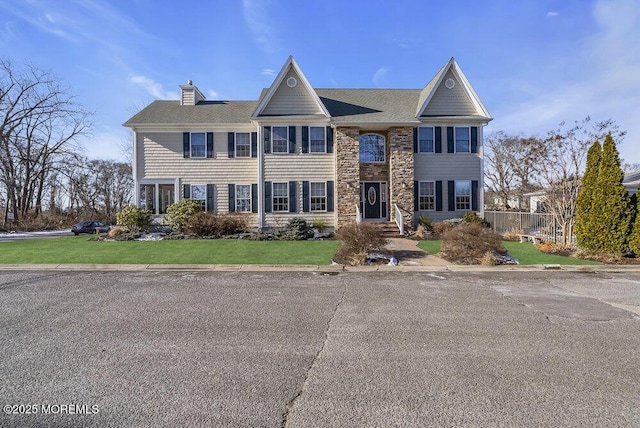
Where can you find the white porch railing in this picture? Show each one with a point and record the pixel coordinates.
(399, 218)
(358, 215)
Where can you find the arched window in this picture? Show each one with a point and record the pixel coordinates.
(371, 148)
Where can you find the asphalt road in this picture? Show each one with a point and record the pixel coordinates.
(304, 349)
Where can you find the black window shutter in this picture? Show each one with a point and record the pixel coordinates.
(186, 191)
(267, 196)
(266, 131)
(329, 139)
(186, 152)
(474, 139)
(415, 140)
(292, 139)
(210, 197)
(452, 195)
(305, 197)
(254, 144)
(330, 197)
(292, 197)
(416, 196)
(438, 138)
(474, 195)
(232, 198)
(231, 144)
(438, 195)
(450, 147)
(209, 144)
(305, 139)
(254, 198)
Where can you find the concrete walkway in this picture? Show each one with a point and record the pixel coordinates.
(408, 253)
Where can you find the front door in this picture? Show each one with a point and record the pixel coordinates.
(372, 201)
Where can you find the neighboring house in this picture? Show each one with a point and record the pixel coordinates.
(300, 151)
(631, 181)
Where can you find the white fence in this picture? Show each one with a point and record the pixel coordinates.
(538, 224)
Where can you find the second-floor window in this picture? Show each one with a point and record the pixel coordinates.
(425, 139)
(198, 145)
(280, 139)
(317, 140)
(463, 140)
(243, 145)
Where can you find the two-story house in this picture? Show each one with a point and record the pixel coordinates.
(330, 154)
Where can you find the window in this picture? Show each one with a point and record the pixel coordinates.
(198, 145)
(318, 194)
(463, 140)
(371, 148)
(317, 141)
(199, 193)
(243, 198)
(425, 140)
(280, 139)
(167, 197)
(280, 197)
(463, 195)
(243, 145)
(427, 195)
(148, 197)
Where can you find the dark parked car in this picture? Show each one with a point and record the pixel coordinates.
(89, 227)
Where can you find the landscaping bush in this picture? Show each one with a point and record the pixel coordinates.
(472, 217)
(180, 212)
(442, 227)
(469, 243)
(115, 232)
(133, 219)
(319, 224)
(206, 224)
(297, 229)
(358, 240)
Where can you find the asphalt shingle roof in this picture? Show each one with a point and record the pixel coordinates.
(172, 113)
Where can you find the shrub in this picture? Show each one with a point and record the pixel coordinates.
(133, 219)
(442, 227)
(358, 240)
(115, 232)
(469, 243)
(425, 222)
(319, 224)
(207, 224)
(472, 217)
(232, 223)
(297, 229)
(180, 212)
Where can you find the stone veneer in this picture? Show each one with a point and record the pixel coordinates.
(401, 173)
(347, 155)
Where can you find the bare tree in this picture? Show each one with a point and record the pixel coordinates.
(39, 124)
(562, 166)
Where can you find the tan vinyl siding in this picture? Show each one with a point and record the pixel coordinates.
(291, 101)
(450, 102)
(294, 167)
(446, 166)
(188, 97)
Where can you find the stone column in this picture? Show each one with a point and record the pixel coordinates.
(347, 153)
(401, 173)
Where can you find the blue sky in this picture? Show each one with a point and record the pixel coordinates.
(534, 63)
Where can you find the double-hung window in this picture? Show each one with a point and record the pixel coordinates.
(243, 198)
(198, 145)
(463, 140)
(318, 195)
(280, 197)
(317, 139)
(280, 139)
(427, 195)
(425, 139)
(199, 193)
(463, 195)
(243, 145)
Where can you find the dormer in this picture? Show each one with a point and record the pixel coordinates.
(190, 94)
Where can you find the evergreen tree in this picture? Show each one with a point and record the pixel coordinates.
(585, 221)
(611, 203)
(634, 238)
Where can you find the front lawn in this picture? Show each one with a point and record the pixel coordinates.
(525, 253)
(79, 250)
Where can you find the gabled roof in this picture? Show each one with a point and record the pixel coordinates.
(290, 65)
(429, 91)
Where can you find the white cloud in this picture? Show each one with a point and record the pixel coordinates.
(379, 76)
(552, 14)
(213, 95)
(153, 88)
(268, 72)
(256, 15)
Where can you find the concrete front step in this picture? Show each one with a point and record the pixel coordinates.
(386, 229)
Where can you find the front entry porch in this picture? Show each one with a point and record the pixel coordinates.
(374, 204)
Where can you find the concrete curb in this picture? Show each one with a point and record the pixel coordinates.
(318, 268)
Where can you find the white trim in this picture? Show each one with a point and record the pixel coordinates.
(434, 194)
(326, 197)
(433, 138)
(273, 210)
(290, 63)
(324, 131)
(235, 198)
(191, 156)
(455, 139)
(235, 144)
(260, 148)
(288, 138)
(455, 195)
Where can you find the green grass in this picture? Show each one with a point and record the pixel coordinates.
(79, 250)
(525, 253)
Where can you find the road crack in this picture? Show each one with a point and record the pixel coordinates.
(303, 387)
